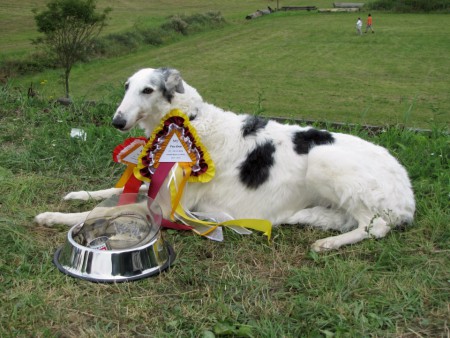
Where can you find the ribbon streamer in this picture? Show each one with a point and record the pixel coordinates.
(176, 185)
(175, 154)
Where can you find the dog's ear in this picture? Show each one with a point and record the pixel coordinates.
(174, 82)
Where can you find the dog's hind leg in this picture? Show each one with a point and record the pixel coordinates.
(335, 242)
(97, 195)
(368, 225)
(323, 218)
(52, 218)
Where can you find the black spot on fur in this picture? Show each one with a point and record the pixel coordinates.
(252, 124)
(255, 170)
(168, 95)
(305, 140)
(160, 84)
(193, 115)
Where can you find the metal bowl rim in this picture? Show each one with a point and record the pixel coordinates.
(82, 247)
(166, 265)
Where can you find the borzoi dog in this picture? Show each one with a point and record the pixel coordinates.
(287, 174)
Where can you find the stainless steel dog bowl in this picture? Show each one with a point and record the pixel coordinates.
(117, 243)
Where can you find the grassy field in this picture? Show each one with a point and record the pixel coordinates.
(245, 286)
(17, 18)
(302, 65)
(299, 65)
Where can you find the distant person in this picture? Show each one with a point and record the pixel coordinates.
(369, 24)
(359, 27)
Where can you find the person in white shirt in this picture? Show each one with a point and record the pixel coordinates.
(359, 26)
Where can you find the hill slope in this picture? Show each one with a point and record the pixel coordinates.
(290, 64)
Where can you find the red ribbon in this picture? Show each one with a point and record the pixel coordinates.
(132, 186)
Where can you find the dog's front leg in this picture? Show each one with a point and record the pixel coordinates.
(97, 195)
(52, 218)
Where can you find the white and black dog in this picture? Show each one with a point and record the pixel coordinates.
(287, 174)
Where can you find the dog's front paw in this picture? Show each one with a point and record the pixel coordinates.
(325, 244)
(47, 218)
(77, 195)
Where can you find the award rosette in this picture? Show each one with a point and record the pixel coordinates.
(128, 153)
(175, 141)
(173, 156)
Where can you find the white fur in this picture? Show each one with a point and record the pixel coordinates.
(351, 185)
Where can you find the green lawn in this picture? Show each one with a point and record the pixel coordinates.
(299, 65)
(394, 287)
(18, 26)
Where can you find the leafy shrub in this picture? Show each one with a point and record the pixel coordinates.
(198, 22)
(122, 43)
(34, 63)
(208, 18)
(116, 44)
(127, 39)
(153, 37)
(177, 24)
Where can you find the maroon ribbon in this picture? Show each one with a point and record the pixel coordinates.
(132, 186)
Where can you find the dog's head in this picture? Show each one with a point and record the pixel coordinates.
(149, 95)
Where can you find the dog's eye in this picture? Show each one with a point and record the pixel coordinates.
(126, 86)
(147, 91)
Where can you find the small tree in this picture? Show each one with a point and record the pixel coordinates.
(69, 27)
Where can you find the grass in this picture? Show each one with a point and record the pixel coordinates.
(288, 64)
(18, 19)
(397, 286)
(303, 65)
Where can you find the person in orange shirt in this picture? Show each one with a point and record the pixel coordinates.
(369, 24)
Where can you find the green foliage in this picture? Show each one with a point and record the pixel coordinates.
(37, 61)
(408, 6)
(184, 24)
(116, 44)
(153, 37)
(177, 24)
(55, 122)
(126, 42)
(69, 27)
(61, 15)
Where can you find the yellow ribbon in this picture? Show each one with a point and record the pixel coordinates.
(180, 174)
(125, 176)
(186, 172)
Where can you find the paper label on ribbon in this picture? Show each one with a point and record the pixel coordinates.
(128, 152)
(133, 156)
(216, 235)
(219, 217)
(175, 151)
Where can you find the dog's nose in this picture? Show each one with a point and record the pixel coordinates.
(119, 122)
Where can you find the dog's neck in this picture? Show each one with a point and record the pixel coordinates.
(188, 102)
(215, 127)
